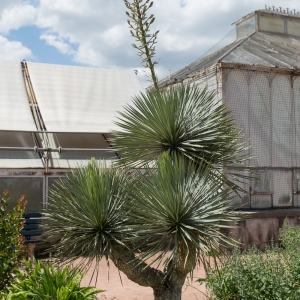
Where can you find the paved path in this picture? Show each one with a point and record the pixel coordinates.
(132, 291)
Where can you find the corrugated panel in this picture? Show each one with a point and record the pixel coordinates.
(79, 99)
(18, 159)
(15, 112)
(270, 50)
(202, 77)
(200, 64)
(261, 49)
(248, 55)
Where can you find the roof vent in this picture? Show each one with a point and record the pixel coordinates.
(271, 20)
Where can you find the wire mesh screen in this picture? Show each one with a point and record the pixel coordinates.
(235, 88)
(296, 188)
(259, 201)
(259, 119)
(282, 121)
(283, 189)
(266, 106)
(296, 90)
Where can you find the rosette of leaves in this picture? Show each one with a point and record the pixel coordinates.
(87, 212)
(169, 213)
(182, 121)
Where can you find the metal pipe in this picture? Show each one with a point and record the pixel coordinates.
(253, 169)
(46, 158)
(58, 132)
(36, 149)
(67, 132)
(86, 149)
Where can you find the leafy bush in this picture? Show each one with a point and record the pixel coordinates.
(272, 274)
(44, 281)
(11, 243)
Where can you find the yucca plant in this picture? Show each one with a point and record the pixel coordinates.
(168, 214)
(184, 121)
(87, 208)
(45, 281)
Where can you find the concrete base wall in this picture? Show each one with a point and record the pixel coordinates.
(260, 228)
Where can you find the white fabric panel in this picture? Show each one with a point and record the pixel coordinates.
(235, 95)
(282, 118)
(296, 125)
(260, 120)
(80, 99)
(15, 111)
(283, 188)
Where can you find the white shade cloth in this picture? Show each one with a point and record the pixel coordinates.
(15, 114)
(81, 99)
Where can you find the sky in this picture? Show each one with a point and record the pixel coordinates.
(95, 33)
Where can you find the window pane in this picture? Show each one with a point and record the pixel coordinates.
(32, 187)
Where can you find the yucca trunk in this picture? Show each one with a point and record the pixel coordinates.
(171, 289)
(163, 288)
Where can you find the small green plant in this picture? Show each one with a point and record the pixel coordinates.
(44, 281)
(273, 274)
(11, 243)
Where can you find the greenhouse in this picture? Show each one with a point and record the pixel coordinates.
(258, 77)
(55, 118)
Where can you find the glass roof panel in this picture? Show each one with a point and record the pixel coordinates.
(18, 159)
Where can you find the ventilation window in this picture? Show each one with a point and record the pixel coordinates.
(263, 182)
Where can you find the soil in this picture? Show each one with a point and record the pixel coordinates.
(128, 290)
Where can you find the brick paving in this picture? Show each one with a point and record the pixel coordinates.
(115, 290)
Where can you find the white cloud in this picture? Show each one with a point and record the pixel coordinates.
(87, 55)
(9, 3)
(115, 35)
(16, 16)
(187, 29)
(101, 31)
(13, 50)
(96, 33)
(58, 43)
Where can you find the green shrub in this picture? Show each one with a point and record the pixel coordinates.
(44, 281)
(11, 243)
(273, 274)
